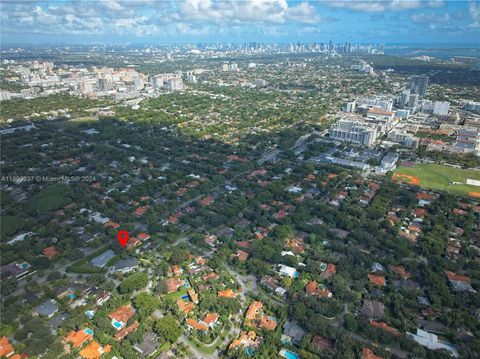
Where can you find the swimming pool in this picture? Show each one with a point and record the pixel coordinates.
(288, 354)
(118, 325)
(88, 331)
(249, 351)
(186, 296)
(72, 296)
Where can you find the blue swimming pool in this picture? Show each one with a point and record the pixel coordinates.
(117, 324)
(72, 296)
(249, 351)
(186, 296)
(88, 331)
(290, 355)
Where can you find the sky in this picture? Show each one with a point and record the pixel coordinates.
(198, 21)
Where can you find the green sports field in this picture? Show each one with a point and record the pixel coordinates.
(444, 178)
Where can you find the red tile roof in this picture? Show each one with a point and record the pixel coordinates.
(122, 313)
(196, 325)
(458, 277)
(77, 338)
(210, 318)
(228, 293)
(6, 348)
(122, 333)
(94, 350)
(377, 279)
(267, 323)
(50, 252)
(173, 284)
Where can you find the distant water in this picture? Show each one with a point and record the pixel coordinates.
(439, 51)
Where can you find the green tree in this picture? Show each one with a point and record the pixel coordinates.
(168, 329)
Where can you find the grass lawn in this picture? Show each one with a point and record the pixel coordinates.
(176, 295)
(83, 265)
(206, 349)
(444, 178)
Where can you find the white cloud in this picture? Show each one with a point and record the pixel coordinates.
(384, 5)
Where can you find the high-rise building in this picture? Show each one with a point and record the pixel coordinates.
(441, 108)
(104, 84)
(418, 85)
(413, 101)
(349, 107)
(404, 98)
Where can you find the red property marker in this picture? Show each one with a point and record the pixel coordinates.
(122, 238)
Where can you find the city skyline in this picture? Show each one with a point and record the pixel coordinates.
(165, 22)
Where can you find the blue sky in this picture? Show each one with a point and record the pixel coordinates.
(167, 22)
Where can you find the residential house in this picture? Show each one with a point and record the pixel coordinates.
(148, 345)
(77, 339)
(377, 280)
(193, 324)
(50, 252)
(121, 315)
(6, 349)
(185, 307)
(122, 333)
(47, 308)
(210, 319)
(102, 260)
(241, 255)
(173, 284)
(248, 340)
(312, 288)
(193, 296)
(126, 265)
(287, 271)
(227, 293)
(94, 350)
(330, 271)
(293, 331)
(460, 283)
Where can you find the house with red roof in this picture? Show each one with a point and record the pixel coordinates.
(143, 236)
(121, 315)
(6, 349)
(50, 252)
(141, 210)
(173, 284)
(377, 280)
(77, 339)
(241, 255)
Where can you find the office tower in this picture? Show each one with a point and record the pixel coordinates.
(418, 85)
(413, 101)
(404, 98)
(104, 84)
(138, 83)
(349, 107)
(441, 108)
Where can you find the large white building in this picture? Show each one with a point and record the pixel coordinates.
(352, 131)
(440, 108)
